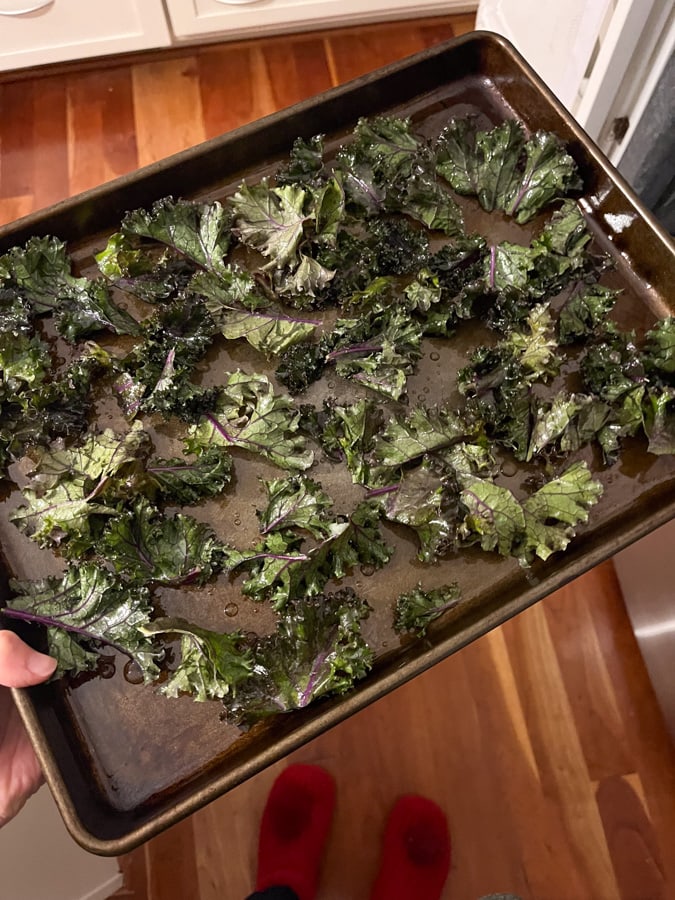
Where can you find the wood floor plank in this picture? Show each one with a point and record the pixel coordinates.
(645, 729)
(356, 54)
(172, 867)
(234, 87)
(17, 145)
(167, 108)
(297, 70)
(102, 143)
(558, 749)
(50, 136)
(588, 684)
(633, 846)
(12, 208)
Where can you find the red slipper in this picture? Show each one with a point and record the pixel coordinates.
(294, 830)
(415, 857)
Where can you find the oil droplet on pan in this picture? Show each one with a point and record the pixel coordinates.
(367, 570)
(133, 672)
(231, 609)
(435, 356)
(509, 469)
(106, 667)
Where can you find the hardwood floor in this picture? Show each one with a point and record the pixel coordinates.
(542, 740)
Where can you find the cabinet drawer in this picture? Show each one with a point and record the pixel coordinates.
(33, 32)
(192, 19)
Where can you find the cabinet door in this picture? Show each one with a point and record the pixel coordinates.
(192, 19)
(33, 32)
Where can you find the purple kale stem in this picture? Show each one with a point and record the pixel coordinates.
(219, 428)
(493, 256)
(306, 695)
(289, 557)
(48, 622)
(484, 509)
(357, 348)
(264, 314)
(376, 492)
(521, 193)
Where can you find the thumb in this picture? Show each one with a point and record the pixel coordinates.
(20, 665)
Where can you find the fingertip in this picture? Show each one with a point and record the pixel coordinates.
(20, 665)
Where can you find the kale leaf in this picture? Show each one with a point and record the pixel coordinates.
(40, 275)
(503, 169)
(248, 414)
(295, 502)
(200, 232)
(146, 546)
(318, 649)
(212, 664)
(85, 610)
(415, 610)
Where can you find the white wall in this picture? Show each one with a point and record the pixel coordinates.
(40, 861)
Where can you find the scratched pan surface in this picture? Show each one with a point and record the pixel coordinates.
(123, 762)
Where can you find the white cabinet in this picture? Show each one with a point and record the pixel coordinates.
(194, 19)
(34, 32)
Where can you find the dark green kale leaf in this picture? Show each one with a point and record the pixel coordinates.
(44, 410)
(147, 546)
(271, 220)
(317, 650)
(72, 490)
(417, 609)
(425, 500)
(424, 431)
(304, 285)
(295, 502)
(549, 173)
(614, 366)
(24, 363)
(354, 262)
(659, 348)
(659, 420)
(156, 374)
(480, 163)
(269, 331)
(248, 414)
(422, 198)
(523, 357)
(86, 610)
(459, 263)
(348, 433)
(200, 232)
(504, 170)
(383, 153)
(378, 350)
(40, 275)
(229, 287)
(151, 274)
(301, 365)
(543, 524)
(554, 511)
(494, 518)
(305, 163)
(585, 312)
(500, 396)
(181, 481)
(399, 248)
(212, 664)
(280, 570)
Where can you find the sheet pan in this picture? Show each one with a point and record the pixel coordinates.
(123, 763)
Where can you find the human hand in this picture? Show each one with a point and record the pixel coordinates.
(20, 773)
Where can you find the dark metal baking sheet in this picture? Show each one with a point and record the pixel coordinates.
(123, 763)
